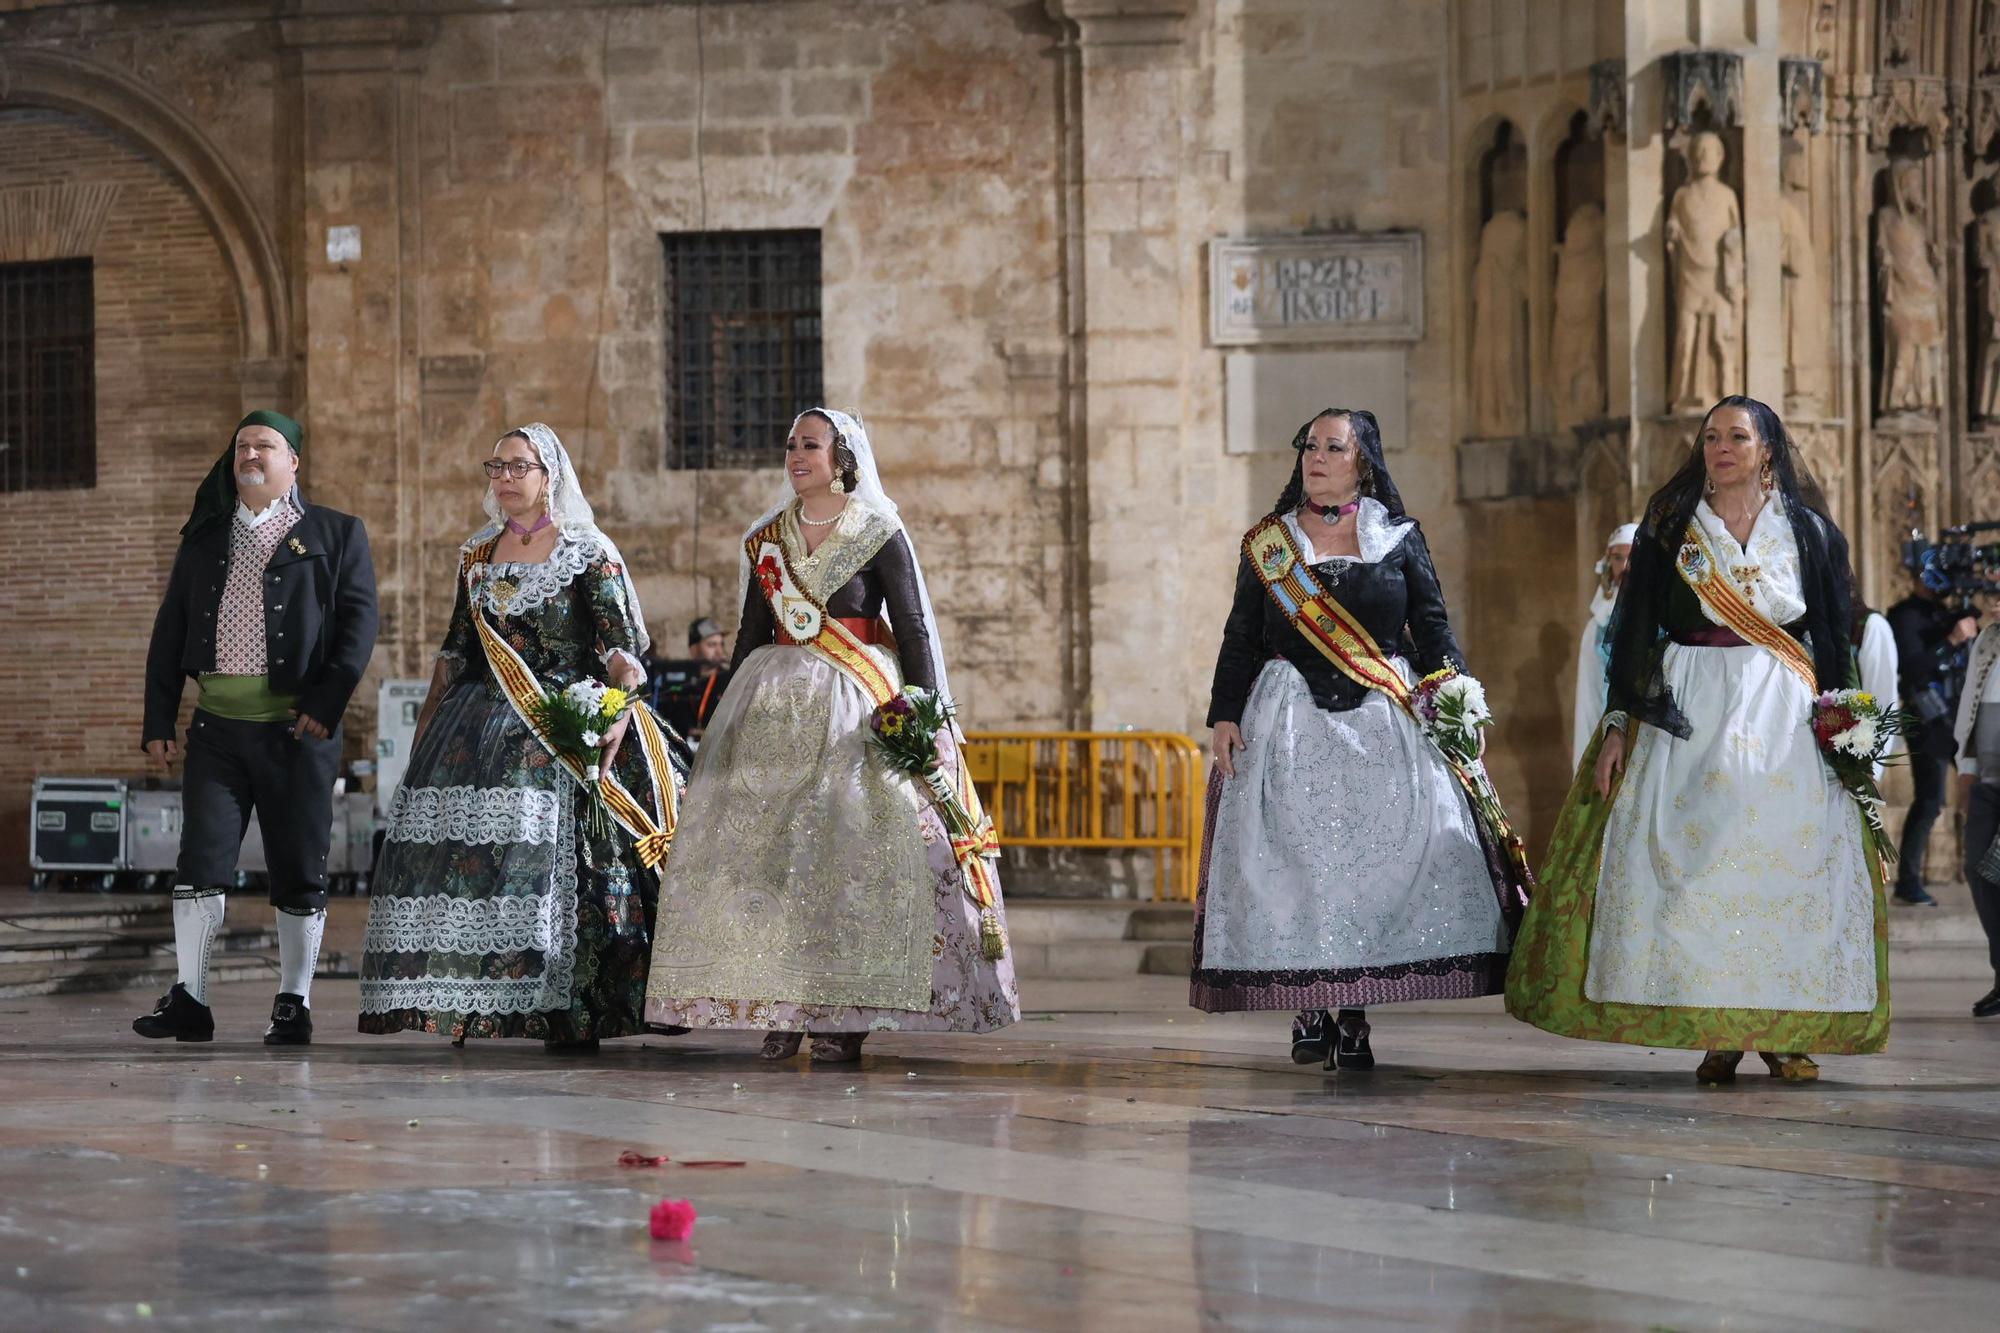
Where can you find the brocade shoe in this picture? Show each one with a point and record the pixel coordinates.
(1312, 1037)
(781, 1045)
(1350, 1046)
(178, 1015)
(1988, 1004)
(838, 1048)
(291, 1022)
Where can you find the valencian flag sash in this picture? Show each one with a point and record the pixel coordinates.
(806, 623)
(652, 830)
(1702, 572)
(1344, 641)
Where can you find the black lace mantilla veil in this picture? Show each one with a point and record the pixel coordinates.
(1636, 685)
(1376, 482)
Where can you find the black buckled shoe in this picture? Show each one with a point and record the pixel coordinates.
(1350, 1046)
(1312, 1037)
(291, 1022)
(178, 1015)
(1988, 1004)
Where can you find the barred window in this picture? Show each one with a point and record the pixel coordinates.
(743, 343)
(48, 385)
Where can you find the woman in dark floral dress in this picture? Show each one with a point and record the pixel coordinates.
(494, 913)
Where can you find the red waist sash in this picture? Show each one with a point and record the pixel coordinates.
(868, 631)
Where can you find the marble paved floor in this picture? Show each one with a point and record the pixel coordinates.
(1118, 1162)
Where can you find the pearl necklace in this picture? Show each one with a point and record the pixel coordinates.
(819, 522)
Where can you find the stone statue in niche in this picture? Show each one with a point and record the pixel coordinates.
(1986, 241)
(1576, 342)
(1500, 327)
(1705, 256)
(1899, 30)
(1805, 314)
(1906, 273)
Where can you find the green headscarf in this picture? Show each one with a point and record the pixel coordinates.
(215, 498)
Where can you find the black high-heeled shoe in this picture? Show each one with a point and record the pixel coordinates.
(1350, 1045)
(1312, 1036)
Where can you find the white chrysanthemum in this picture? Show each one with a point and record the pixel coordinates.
(1469, 695)
(586, 694)
(917, 692)
(1858, 740)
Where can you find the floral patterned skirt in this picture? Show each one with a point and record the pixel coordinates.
(1546, 980)
(492, 913)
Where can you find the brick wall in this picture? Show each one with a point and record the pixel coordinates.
(85, 568)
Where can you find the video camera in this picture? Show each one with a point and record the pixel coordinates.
(1956, 566)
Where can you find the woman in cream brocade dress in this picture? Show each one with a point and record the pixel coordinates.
(811, 887)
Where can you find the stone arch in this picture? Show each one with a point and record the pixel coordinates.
(113, 98)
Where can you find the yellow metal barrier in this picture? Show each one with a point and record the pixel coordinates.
(1117, 790)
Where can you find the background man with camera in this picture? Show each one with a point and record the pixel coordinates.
(1929, 634)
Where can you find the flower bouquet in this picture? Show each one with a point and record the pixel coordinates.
(904, 732)
(1451, 708)
(573, 721)
(1853, 731)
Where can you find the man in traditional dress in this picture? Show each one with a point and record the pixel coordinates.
(1593, 654)
(271, 608)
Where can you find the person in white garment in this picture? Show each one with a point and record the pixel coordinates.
(1875, 656)
(1711, 887)
(1593, 650)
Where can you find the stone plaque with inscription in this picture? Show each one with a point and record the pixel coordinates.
(1316, 289)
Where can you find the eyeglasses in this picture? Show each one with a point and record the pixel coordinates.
(516, 468)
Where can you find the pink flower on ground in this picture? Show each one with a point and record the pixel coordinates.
(673, 1219)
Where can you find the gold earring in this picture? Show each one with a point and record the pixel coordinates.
(1764, 475)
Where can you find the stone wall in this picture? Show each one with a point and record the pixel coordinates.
(86, 567)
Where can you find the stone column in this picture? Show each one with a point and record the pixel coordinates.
(359, 226)
(1128, 270)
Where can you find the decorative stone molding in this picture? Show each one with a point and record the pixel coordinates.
(1525, 467)
(1693, 79)
(1124, 22)
(60, 220)
(1921, 104)
(343, 43)
(1801, 95)
(1607, 99)
(109, 96)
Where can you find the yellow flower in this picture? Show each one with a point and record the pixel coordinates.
(892, 724)
(614, 702)
(1864, 699)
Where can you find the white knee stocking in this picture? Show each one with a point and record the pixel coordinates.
(298, 952)
(197, 921)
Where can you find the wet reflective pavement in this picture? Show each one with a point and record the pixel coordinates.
(1125, 1163)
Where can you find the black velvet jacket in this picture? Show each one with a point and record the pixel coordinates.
(888, 579)
(1399, 591)
(319, 617)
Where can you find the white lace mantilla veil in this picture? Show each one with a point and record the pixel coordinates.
(569, 510)
(868, 490)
